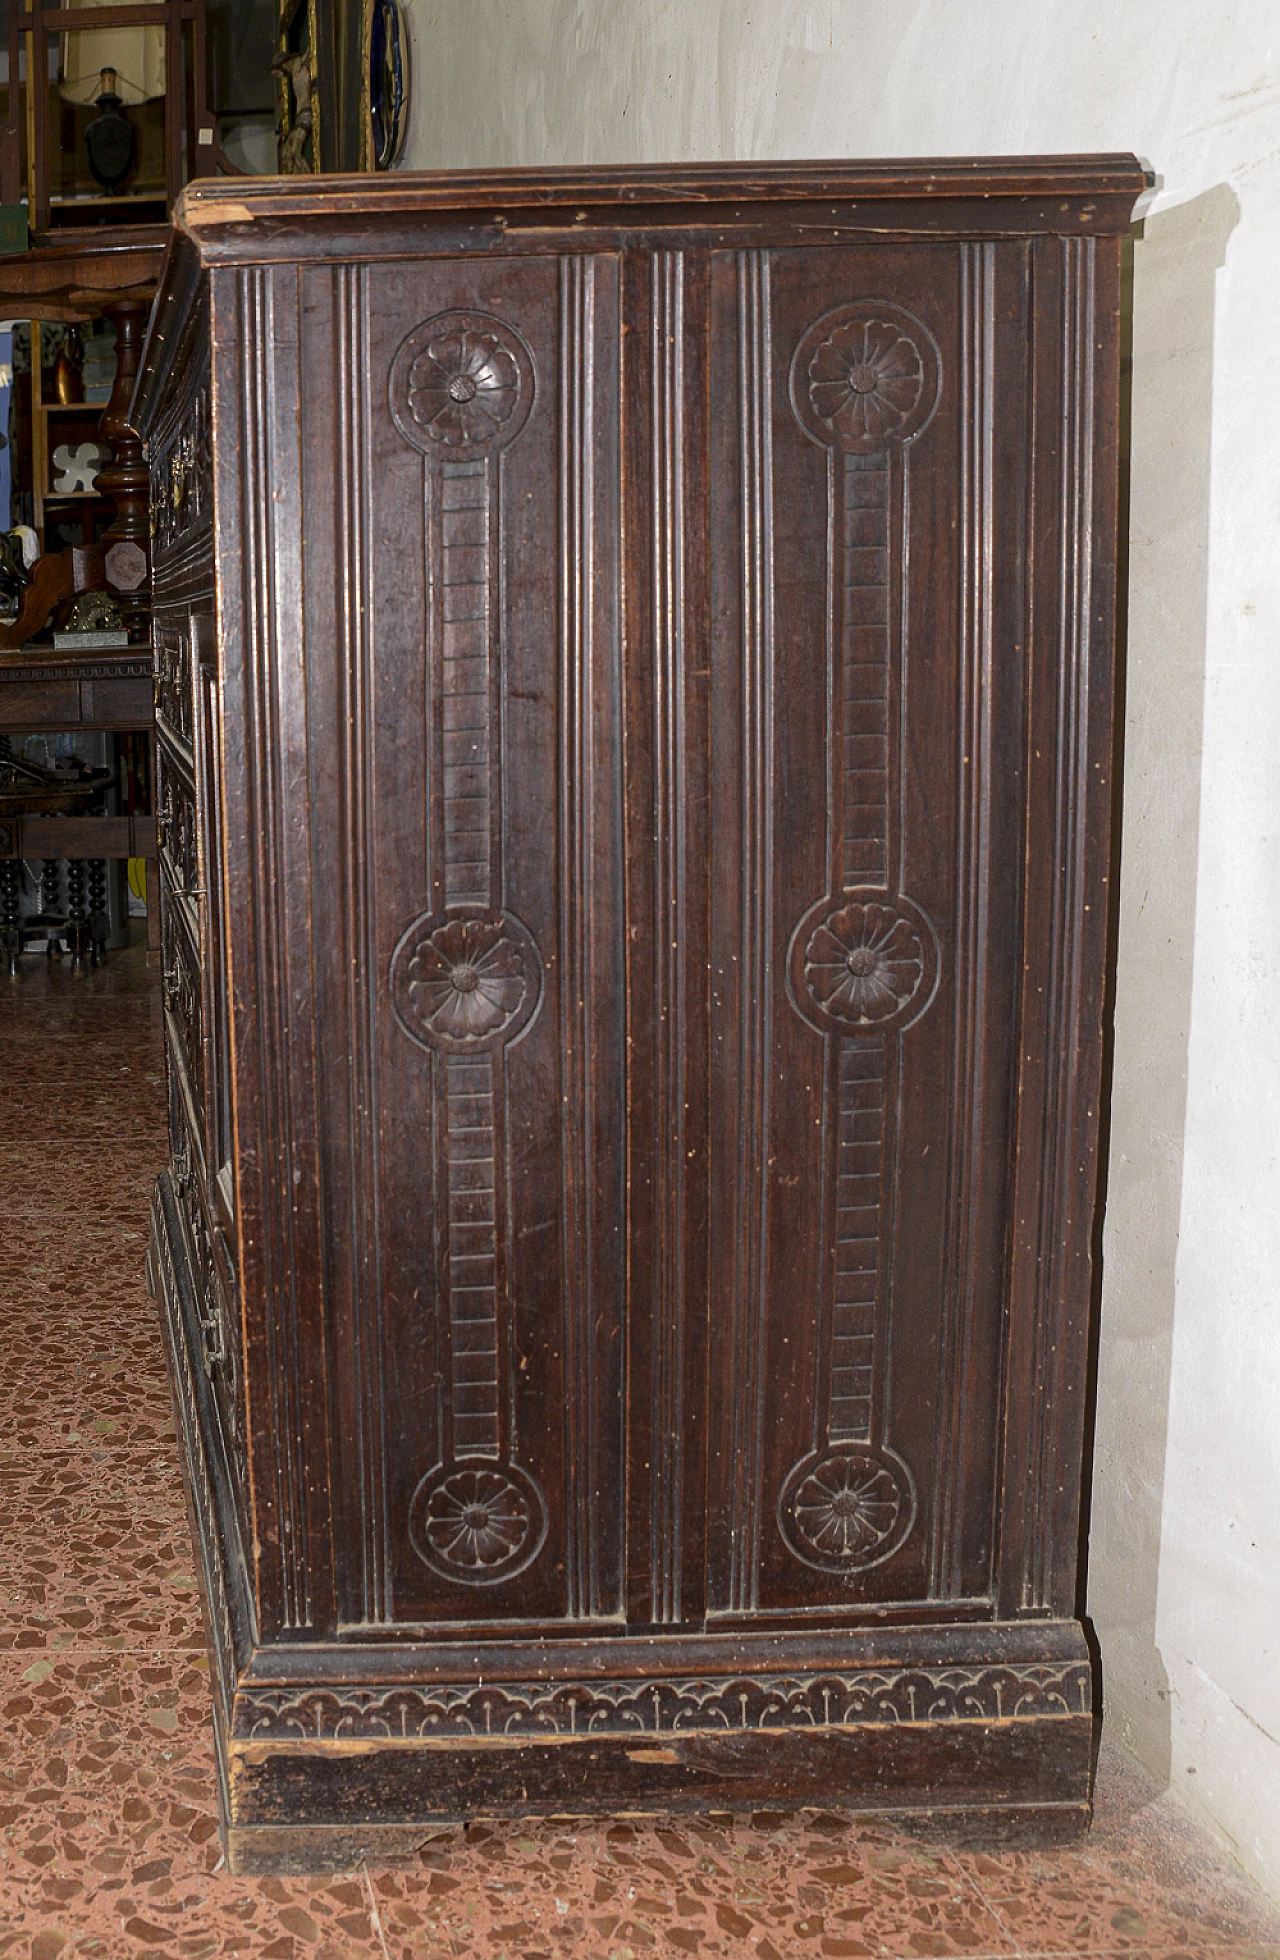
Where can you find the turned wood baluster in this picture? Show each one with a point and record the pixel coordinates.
(10, 937)
(50, 902)
(126, 479)
(78, 929)
(99, 922)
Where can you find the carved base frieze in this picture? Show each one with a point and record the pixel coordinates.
(671, 1706)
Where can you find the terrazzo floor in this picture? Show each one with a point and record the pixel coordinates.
(108, 1831)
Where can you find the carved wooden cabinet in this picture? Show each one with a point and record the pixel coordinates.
(635, 709)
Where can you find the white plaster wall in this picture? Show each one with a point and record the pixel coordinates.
(1185, 1562)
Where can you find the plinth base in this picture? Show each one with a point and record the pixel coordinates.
(333, 1753)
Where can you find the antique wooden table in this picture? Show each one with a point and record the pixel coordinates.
(44, 691)
(635, 666)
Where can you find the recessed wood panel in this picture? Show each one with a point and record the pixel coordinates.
(467, 811)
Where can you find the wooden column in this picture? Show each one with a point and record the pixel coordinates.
(126, 480)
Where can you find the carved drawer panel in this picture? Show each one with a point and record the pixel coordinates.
(174, 709)
(211, 1261)
(183, 998)
(177, 831)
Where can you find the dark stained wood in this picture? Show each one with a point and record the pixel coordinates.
(45, 688)
(78, 837)
(50, 584)
(71, 279)
(42, 687)
(125, 478)
(633, 694)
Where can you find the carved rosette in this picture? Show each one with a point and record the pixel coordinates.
(865, 377)
(461, 384)
(862, 963)
(464, 983)
(477, 1521)
(847, 1507)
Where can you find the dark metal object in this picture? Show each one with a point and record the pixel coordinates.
(388, 82)
(25, 788)
(111, 141)
(77, 931)
(13, 572)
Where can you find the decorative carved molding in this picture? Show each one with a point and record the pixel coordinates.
(864, 963)
(750, 1296)
(365, 1279)
(865, 377)
(670, 1005)
(177, 833)
(463, 983)
(856, 1699)
(586, 439)
(183, 995)
(847, 1508)
(461, 382)
(174, 707)
(478, 1521)
(139, 667)
(171, 1290)
(1058, 1230)
(265, 446)
(467, 980)
(976, 718)
(182, 473)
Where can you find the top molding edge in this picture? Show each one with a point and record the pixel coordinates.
(244, 218)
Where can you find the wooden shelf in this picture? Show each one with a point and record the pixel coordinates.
(106, 203)
(48, 421)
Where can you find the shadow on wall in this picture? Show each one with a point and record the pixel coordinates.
(1175, 263)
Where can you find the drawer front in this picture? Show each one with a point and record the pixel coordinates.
(184, 996)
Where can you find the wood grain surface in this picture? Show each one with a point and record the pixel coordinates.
(635, 679)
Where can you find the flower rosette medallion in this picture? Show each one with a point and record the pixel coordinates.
(847, 1507)
(477, 1521)
(461, 384)
(865, 377)
(862, 963)
(466, 980)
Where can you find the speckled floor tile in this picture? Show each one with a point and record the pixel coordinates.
(86, 1405)
(38, 1344)
(95, 1554)
(1048, 1910)
(108, 1827)
(772, 1886)
(1145, 1882)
